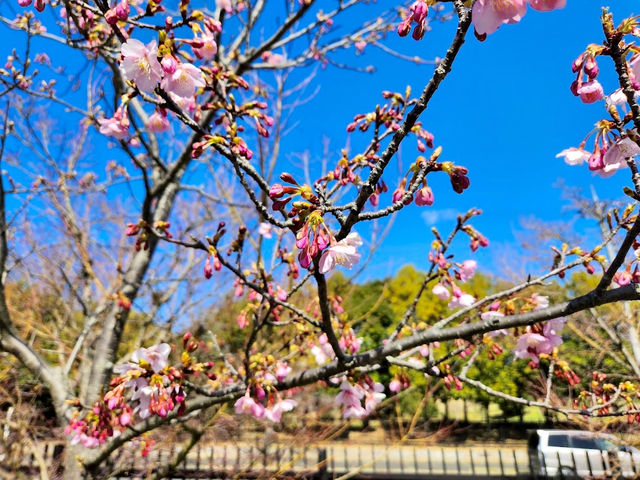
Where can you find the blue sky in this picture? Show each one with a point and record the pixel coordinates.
(504, 112)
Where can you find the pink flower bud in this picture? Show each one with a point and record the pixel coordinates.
(125, 419)
(590, 91)
(424, 196)
(208, 271)
(420, 10)
(122, 10)
(169, 64)
(405, 27)
(577, 64)
(591, 68)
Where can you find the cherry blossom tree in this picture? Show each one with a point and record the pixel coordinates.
(188, 107)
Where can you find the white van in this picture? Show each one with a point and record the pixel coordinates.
(577, 453)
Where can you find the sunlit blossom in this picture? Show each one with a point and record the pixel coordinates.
(574, 156)
(488, 15)
(184, 81)
(140, 63)
(342, 253)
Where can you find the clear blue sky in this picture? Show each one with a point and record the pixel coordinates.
(504, 112)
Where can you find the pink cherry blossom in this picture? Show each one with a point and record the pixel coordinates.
(155, 398)
(282, 370)
(623, 278)
(360, 46)
(616, 156)
(552, 329)
(441, 291)
(547, 5)
(350, 397)
(488, 15)
(238, 288)
(281, 294)
(468, 270)
(463, 301)
(395, 385)
(574, 156)
(184, 81)
(140, 63)
(265, 229)
(590, 91)
(157, 356)
(247, 405)
(342, 253)
(274, 413)
(323, 351)
(372, 397)
(117, 126)
(125, 419)
(158, 122)
(532, 345)
(209, 47)
(616, 98)
(275, 59)
(84, 440)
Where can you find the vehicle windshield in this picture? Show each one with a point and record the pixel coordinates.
(592, 443)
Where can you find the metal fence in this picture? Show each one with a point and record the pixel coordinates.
(378, 462)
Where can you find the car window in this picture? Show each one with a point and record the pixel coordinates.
(558, 441)
(607, 445)
(586, 442)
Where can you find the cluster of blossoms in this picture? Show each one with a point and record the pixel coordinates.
(179, 79)
(314, 239)
(261, 399)
(348, 341)
(447, 289)
(248, 406)
(613, 147)
(540, 340)
(609, 155)
(417, 13)
(140, 64)
(146, 386)
(488, 15)
(360, 399)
